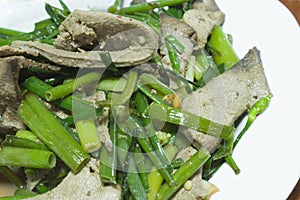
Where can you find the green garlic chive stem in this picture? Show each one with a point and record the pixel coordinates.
(179, 117)
(63, 90)
(88, 135)
(175, 43)
(148, 79)
(173, 56)
(33, 158)
(150, 6)
(188, 169)
(43, 124)
(12, 176)
(221, 48)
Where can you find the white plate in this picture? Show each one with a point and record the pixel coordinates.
(268, 155)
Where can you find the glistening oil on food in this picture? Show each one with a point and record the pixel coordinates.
(139, 102)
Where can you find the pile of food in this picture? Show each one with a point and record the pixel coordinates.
(139, 102)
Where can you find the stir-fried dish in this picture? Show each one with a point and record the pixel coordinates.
(140, 102)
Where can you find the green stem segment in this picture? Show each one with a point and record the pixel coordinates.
(258, 108)
(108, 159)
(189, 168)
(221, 48)
(88, 135)
(43, 124)
(116, 6)
(230, 161)
(12, 176)
(175, 43)
(132, 177)
(149, 6)
(9, 33)
(142, 104)
(155, 178)
(33, 158)
(153, 82)
(14, 141)
(179, 117)
(112, 84)
(173, 56)
(38, 87)
(63, 90)
(132, 126)
(119, 99)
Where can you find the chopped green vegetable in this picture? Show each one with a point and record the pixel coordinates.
(33, 158)
(14, 141)
(177, 116)
(149, 6)
(175, 43)
(184, 173)
(88, 135)
(155, 178)
(142, 104)
(42, 123)
(173, 56)
(258, 108)
(221, 48)
(63, 90)
(12, 176)
(153, 82)
(108, 159)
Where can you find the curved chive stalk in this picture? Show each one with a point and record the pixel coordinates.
(184, 173)
(149, 6)
(259, 107)
(180, 117)
(230, 161)
(33, 158)
(225, 149)
(221, 48)
(63, 90)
